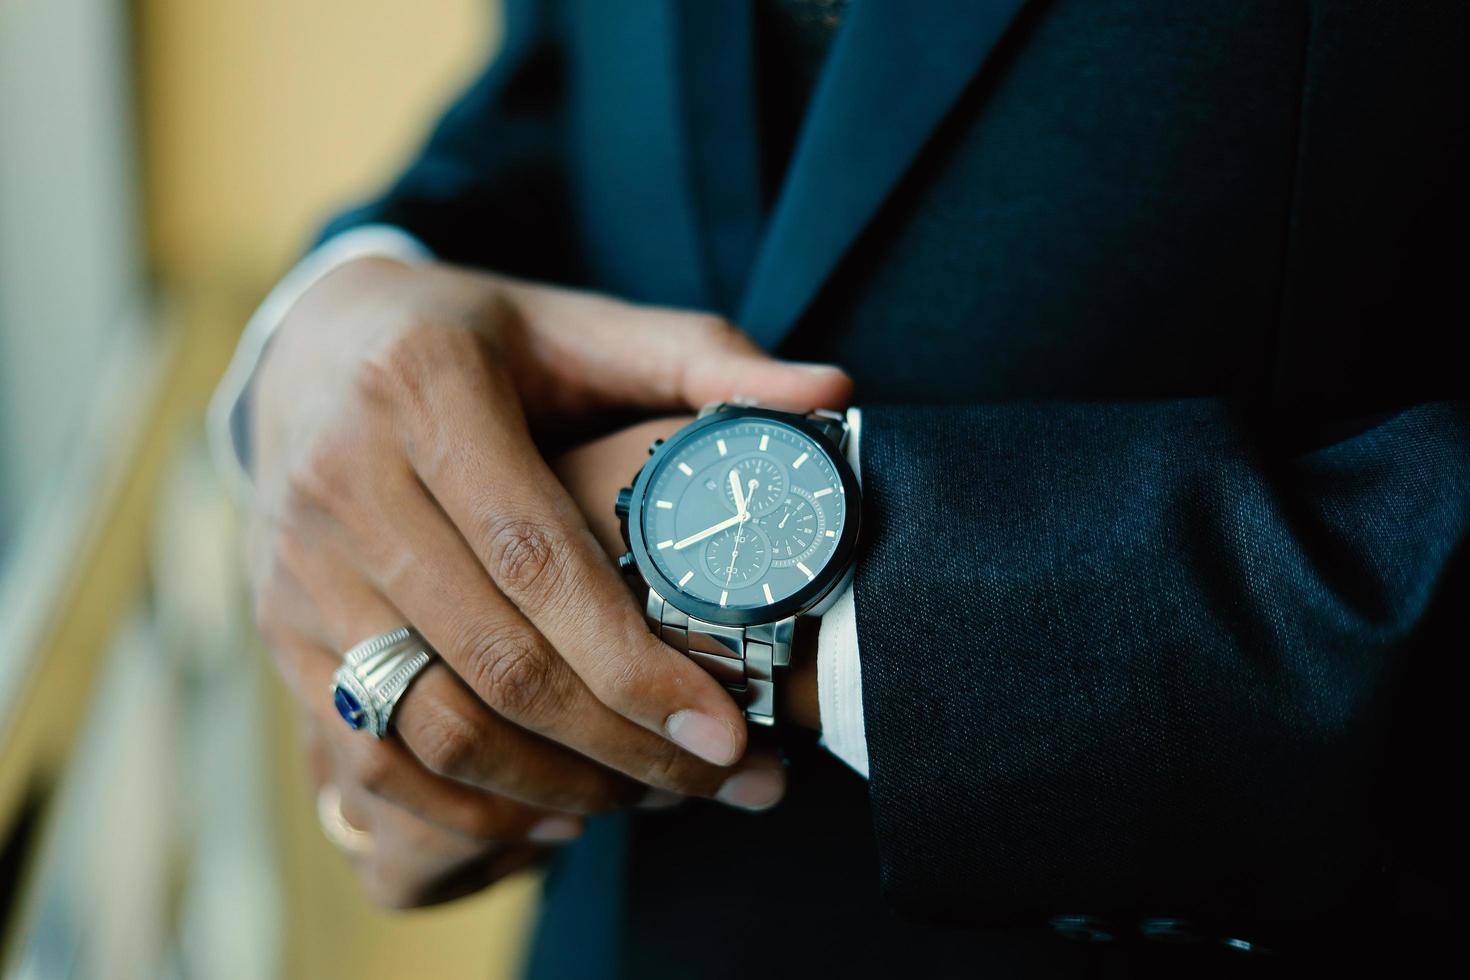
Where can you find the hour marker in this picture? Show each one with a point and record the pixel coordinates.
(664, 544)
(683, 581)
(805, 571)
(766, 588)
(723, 596)
(796, 463)
(831, 534)
(664, 504)
(765, 441)
(822, 492)
(720, 445)
(686, 469)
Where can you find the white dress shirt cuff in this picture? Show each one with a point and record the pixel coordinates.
(227, 429)
(839, 672)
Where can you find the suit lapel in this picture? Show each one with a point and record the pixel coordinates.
(894, 72)
(717, 67)
(632, 153)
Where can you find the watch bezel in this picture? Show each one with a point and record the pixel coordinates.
(800, 601)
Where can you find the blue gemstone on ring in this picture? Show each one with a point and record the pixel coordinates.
(349, 708)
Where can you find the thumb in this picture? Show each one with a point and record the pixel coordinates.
(628, 354)
(688, 360)
(756, 376)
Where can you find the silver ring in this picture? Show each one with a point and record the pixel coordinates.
(373, 676)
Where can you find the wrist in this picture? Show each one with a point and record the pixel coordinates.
(593, 472)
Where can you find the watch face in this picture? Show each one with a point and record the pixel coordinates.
(745, 514)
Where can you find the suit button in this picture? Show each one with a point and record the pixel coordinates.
(625, 502)
(1166, 930)
(1081, 928)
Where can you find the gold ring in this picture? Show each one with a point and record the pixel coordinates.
(336, 827)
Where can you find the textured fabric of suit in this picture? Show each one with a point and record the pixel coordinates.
(1181, 655)
(1167, 490)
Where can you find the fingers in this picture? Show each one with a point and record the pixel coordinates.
(528, 534)
(707, 376)
(405, 862)
(323, 593)
(452, 747)
(506, 660)
(658, 358)
(453, 793)
(547, 632)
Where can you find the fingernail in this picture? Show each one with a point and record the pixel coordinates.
(753, 789)
(659, 799)
(707, 738)
(814, 367)
(555, 830)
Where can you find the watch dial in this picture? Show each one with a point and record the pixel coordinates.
(745, 513)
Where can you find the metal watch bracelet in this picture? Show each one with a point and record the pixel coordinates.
(742, 658)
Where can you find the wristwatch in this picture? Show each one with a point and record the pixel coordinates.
(744, 525)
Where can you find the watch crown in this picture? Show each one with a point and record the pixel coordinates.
(626, 563)
(653, 446)
(625, 502)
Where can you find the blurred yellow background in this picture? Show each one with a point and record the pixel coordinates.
(155, 814)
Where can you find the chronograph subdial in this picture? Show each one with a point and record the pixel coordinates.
(737, 556)
(770, 483)
(794, 528)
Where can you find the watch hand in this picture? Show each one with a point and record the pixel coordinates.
(735, 489)
(734, 553)
(735, 548)
(701, 535)
(727, 522)
(740, 531)
(784, 520)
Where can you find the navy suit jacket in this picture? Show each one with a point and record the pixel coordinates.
(1152, 311)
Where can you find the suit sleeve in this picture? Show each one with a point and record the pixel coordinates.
(1130, 659)
(489, 187)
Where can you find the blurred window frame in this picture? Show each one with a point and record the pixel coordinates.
(80, 356)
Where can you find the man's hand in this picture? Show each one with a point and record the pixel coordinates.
(397, 482)
(403, 860)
